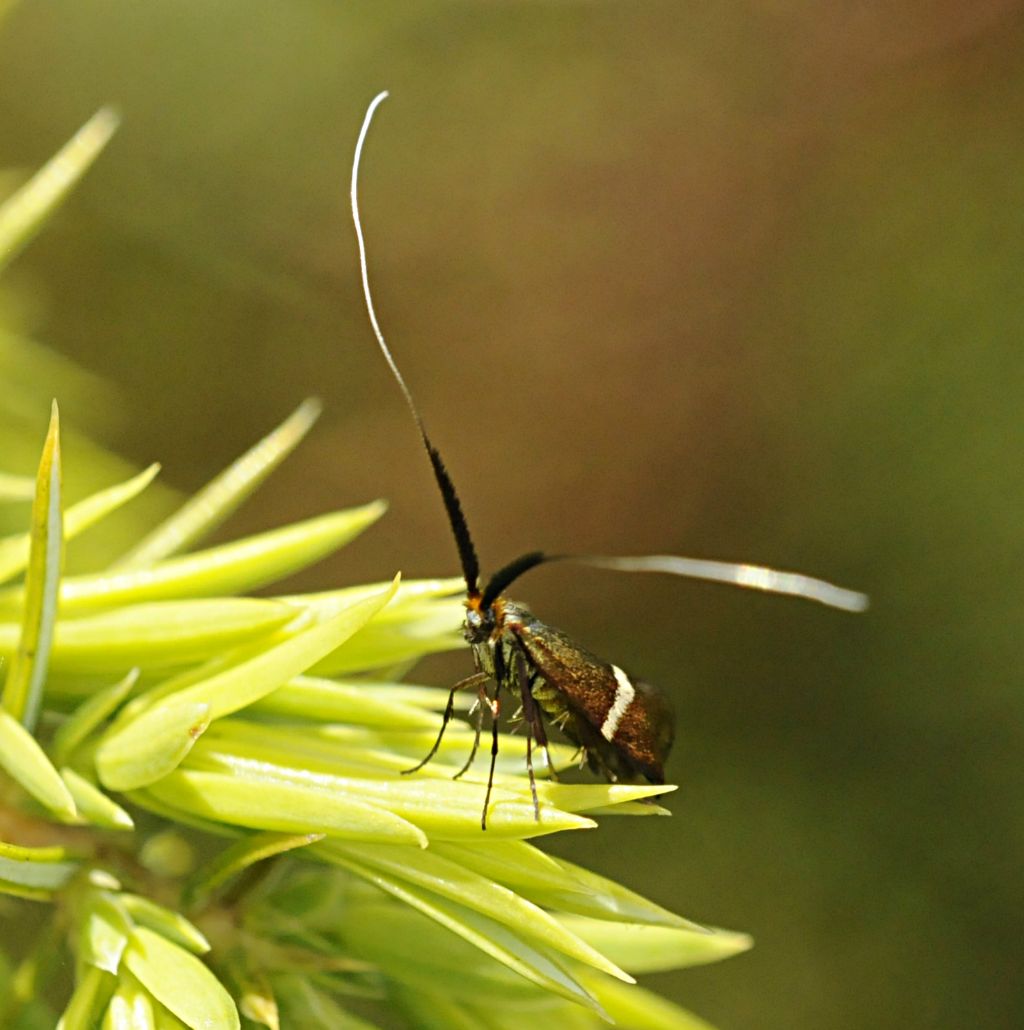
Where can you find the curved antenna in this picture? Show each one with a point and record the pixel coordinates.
(456, 519)
(506, 575)
(753, 577)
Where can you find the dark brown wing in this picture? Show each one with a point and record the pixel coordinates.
(626, 724)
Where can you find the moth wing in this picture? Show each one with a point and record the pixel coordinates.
(629, 724)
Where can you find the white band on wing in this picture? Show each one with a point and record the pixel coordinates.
(624, 695)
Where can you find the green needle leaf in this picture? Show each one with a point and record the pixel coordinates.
(166, 1020)
(153, 745)
(23, 213)
(180, 982)
(37, 887)
(205, 510)
(585, 797)
(33, 872)
(309, 697)
(443, 808)
(603, 899)
(26, 763)
(103, 931)
(89, 715)
(93, 805)
(132, 1007)
(476, 929)
(14, 550)
(517, 864)
(461, 883)
(99, 505)
(417, 953)
(90, 997)
(535, 964)
(172, 925)
(156, 636)
(16, 488)
(640, 808)
(638, 1008)
(23, 689)
(243, 684)
(257, 1001)
(17, 853)
(425, 620)
(654, 949)
(237, 858)
(283, 807)
(227, 569)
(119, 1015)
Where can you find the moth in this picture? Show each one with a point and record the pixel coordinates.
(623, 726)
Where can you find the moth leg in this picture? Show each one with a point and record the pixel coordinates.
(482, 702)
(476, 680)
(495, 707)
(539, 731)
(530, 719)
(533, 779)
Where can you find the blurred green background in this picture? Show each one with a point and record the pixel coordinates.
(736, 280)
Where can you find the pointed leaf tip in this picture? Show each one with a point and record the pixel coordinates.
(24, 213)
(180, 981)
(204, 511)
(152, 745)
(26, 675)
(26, 762)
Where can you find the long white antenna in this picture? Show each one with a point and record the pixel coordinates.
(374, 104)
(755, 577)
(456, 518)
(752, 576)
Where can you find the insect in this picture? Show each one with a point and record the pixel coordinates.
(623, 726)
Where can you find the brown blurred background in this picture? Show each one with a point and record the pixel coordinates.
(736, 280)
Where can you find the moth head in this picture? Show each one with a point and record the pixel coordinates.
(480, 620)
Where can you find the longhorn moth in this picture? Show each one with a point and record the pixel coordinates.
(624, 726)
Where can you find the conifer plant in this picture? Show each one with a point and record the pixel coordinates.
(202, 817)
